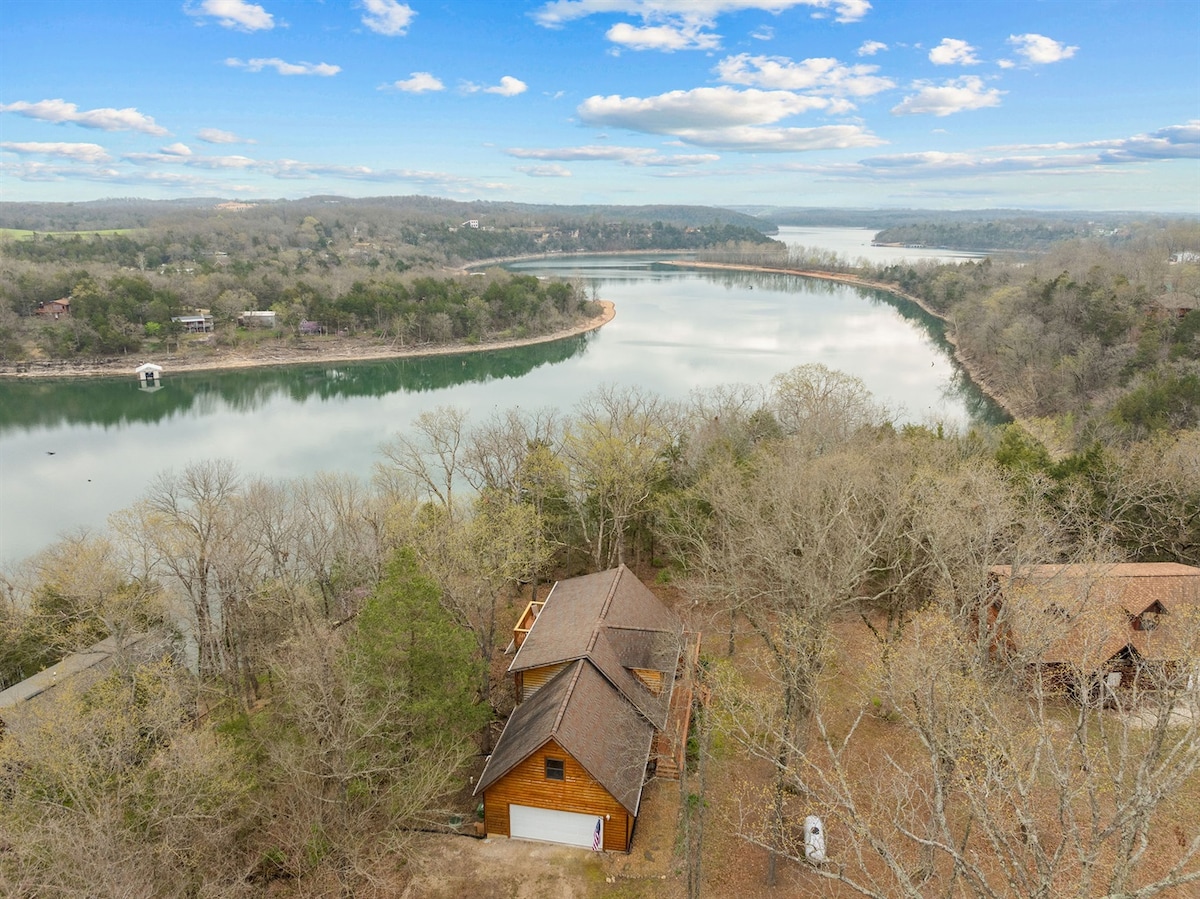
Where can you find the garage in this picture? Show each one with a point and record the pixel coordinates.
(551, 826)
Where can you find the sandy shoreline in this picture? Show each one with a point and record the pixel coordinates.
(319, 350)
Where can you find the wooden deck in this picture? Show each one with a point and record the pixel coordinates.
(670, 745)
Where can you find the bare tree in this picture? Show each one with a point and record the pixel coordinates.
(432, 454)
(991, 781)
(615, 448)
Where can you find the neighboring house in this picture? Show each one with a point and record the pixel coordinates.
(195, 324)
(55, 308)
(37, 693)
(1176, 305)
(257, 319)
(603, 675)
(1104, 623)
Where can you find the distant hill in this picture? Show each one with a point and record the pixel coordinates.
(834, 217)
(109, 214)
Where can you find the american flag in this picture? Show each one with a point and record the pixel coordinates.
(597, 837)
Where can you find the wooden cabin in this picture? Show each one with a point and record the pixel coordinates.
(603, 677)
(1121, 624)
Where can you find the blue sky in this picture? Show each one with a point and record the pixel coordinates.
(1086, 104)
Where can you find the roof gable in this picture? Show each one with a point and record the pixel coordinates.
(1084, 614)
(583, 713)
(578, 610)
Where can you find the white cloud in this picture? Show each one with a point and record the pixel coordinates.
(724, 118)
(324, 69)
(763, 33)
(387, 17)
(956, 95)
(870, 48)
(544, 171)
(105, 119)
(235, 14)
(700, 108)
(820, 75)
(1039, 49)
(781, 140)
(1172, 142)
(557, 13)
(92, 153)
(217, 136)
(170, 156)
(508, 87)
(670, 25)
(417, 83)
(177, 149)
(951, 52)
(667, 38)
(635, 156)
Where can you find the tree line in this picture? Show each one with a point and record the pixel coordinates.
(1094, 340)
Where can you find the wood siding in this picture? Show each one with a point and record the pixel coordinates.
(526, 784)
(652, 680)
(536, 678)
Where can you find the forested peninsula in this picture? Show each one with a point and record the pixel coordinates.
(222, 284)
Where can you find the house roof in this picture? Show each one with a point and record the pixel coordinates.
(1083, 614)
(612, 619)
(73, 666)
(580, 711)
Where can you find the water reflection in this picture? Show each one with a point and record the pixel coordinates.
(109, 402)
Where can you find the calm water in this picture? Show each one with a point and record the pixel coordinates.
(74, 451)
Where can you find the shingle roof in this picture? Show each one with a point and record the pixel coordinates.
(580, 710)
(613, 620)
(1082, 614)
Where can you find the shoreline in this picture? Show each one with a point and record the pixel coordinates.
(269, 355)
(854, 280)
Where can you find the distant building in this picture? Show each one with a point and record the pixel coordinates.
(195, 324)
(54, 308)
(233, 206)
(79, 670)
(149, 375)
(472, 223)
(1110, 623)
(259, 319)
(1175, 305)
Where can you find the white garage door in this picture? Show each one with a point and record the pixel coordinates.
(525, 823)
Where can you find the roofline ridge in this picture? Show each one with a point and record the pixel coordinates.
(566, 700)
(600, 619)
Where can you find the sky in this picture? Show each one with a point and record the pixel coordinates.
(1038, 104)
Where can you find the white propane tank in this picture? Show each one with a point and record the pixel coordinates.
(814, 839)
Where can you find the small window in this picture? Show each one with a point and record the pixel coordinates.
(555, 769)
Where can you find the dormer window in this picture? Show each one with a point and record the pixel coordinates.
(556, 769)
(1147, 621)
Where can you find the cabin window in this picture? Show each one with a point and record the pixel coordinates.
(555, 769)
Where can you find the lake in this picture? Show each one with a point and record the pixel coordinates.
(74, 451)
